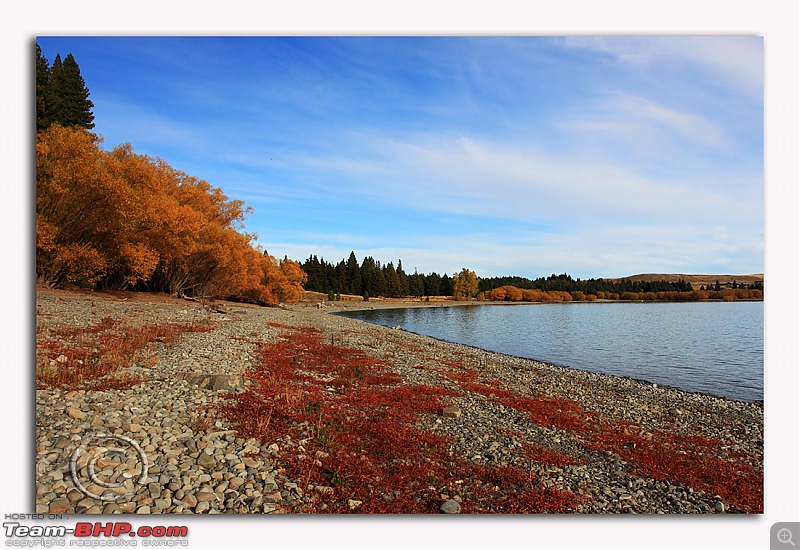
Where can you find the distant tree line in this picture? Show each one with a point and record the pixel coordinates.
(371, 278)
(514, 294)
(717, 286)
(565, 283)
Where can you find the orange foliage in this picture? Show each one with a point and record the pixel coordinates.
(514, 294)
(117, 219)
(465, 285)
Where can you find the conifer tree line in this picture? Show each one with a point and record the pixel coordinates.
(61, 94)
(565, 283)
(371, 278)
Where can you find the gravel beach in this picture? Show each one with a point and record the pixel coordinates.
(596, 444)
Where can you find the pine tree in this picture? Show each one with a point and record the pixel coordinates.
(67, 98)
(379, 287)
(446, 286)
(390, 275)
(416, 285)
(42, 79)
(433, 284)
(354, 279)
(402, 280)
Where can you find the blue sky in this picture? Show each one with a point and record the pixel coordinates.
(596, 156)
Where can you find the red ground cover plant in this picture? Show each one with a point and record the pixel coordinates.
(543, 455)
(86, 357)
(695, 461)
(360, 426)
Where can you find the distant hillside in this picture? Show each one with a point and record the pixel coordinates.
(695, 280)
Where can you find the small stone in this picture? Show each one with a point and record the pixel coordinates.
(161, 503)
(143, 510)
(719, 506)
(450, 507)
(250, 463)
(205, 497)
(201, 507)
(353, 504)
(451, 412)
(77, 414)
(272, 449)
(235, 482)
(59, 506)
(206, 461)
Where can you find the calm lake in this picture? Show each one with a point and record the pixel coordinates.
(711, 347)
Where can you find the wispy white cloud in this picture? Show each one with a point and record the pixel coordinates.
(469, 177)
(738, 60)
(638, 120)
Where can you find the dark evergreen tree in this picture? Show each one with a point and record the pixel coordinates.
(446, 287)
(416, 285)
(353, 272)
(368, 276)
(391, 280)
(402, 280)
(379, 286)
(433, 282)
(67, 98)
(42, 79)
(339, 281)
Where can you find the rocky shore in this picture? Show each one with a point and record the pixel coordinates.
(586, 443)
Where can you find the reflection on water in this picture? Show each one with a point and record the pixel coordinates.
(715, 348)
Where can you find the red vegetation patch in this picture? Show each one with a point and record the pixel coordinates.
(84, 357)
(694, 461)
(543, 455)
(360, 427)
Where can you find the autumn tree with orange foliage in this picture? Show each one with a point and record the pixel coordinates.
(465, 285)
(120, 220)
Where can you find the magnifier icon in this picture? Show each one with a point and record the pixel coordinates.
(785, 536)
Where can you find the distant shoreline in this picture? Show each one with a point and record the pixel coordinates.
(360, 305)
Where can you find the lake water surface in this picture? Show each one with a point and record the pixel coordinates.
(708, 347)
